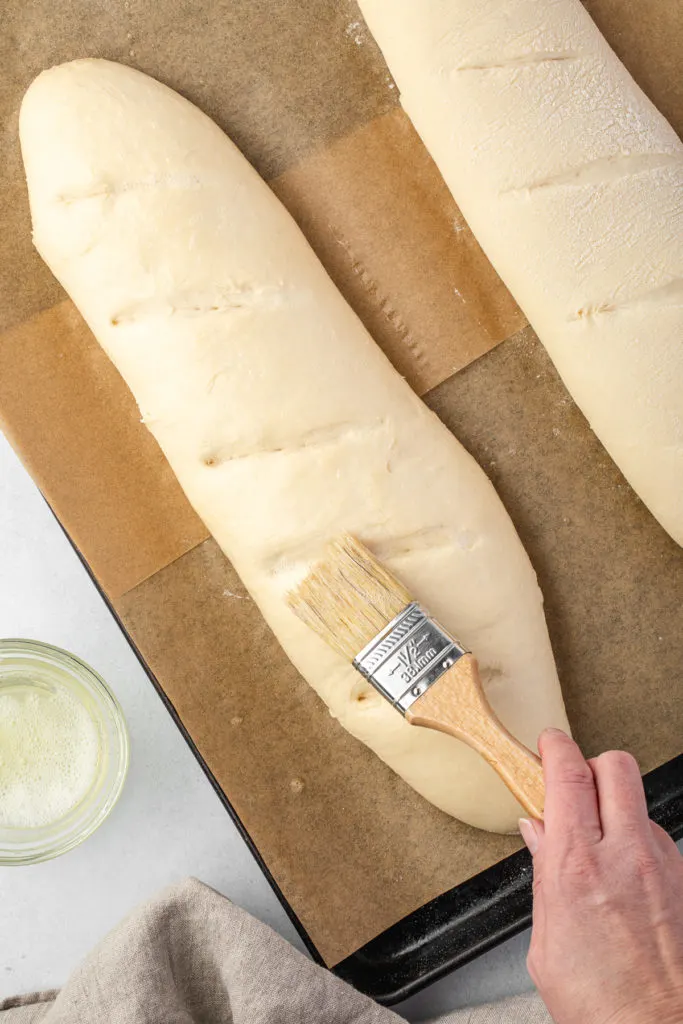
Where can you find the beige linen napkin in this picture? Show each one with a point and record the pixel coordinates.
(189, 956)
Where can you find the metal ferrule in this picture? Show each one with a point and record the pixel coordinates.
(408, 656)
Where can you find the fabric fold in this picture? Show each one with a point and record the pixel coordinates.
(189, 956)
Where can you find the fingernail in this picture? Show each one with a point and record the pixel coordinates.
(547, 733)
(529, 835)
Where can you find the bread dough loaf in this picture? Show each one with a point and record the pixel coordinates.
(283, 421)
(573, 184)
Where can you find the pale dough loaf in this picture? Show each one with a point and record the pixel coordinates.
(283, 421)
(573, 184)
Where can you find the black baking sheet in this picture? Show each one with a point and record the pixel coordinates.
(452, 929)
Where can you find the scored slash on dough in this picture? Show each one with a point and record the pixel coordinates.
(600, 172)
(298, 558)
(523, 61)
(335, 434)
(108, 190)
(222, 300)
(670, 294)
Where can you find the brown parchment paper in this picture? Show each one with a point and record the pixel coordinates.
(303, 90)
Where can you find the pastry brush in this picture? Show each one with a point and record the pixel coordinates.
(359, 608)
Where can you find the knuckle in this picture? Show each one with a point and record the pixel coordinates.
(576, 775)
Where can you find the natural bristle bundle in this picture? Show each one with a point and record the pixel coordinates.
(348, 597)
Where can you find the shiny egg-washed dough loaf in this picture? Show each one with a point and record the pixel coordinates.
(573, 184)
(283, 421)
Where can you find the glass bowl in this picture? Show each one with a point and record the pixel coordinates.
(33, 670)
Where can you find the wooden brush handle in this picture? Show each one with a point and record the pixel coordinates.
(456, 704)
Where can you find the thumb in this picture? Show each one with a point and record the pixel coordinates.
(532, 833)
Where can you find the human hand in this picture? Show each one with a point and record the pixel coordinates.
(607, 938)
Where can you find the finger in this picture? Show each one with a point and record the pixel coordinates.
(621, 797)
(572, 814)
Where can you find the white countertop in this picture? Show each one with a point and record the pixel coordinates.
(169, 822)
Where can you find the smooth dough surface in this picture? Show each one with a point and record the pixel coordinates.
(283, 421)
(572, 182)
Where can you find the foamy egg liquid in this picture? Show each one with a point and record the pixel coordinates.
(49, 751)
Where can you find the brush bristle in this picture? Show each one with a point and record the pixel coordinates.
(348, 597)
